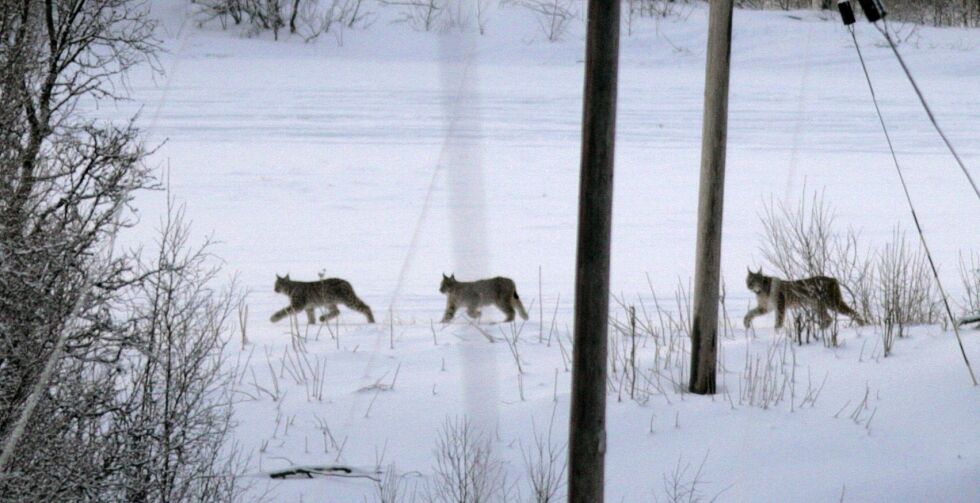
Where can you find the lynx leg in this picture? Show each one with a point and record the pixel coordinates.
(507, 308)
(310, 315)
(332, 312)
(280, 314)
(293, 307)
(825, 318)
(358, 305)
(473, 311)
(749, 316)
(838, 304)
(516, 302)
(450, 312)
(844, 309)
(780, 312)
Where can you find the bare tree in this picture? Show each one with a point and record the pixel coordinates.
(176, 407)
(64, 182)
(68, 314)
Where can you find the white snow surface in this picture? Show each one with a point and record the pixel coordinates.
(400, 155)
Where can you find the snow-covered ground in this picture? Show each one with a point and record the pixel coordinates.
(401, 155)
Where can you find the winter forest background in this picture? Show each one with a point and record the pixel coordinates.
(161, 162)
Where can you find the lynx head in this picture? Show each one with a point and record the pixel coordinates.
(756, 281)
(447, 283)
(282, 283)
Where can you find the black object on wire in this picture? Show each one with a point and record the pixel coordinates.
(846, 12)
(873, 9)
(908, 198)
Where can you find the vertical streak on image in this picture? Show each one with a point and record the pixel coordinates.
(801, 119)
(463, 163)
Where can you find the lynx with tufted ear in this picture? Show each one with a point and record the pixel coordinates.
(308, 295)
(499, 291)
(821, 294)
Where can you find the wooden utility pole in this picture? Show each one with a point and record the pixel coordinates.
(587, 420)
(704, 332)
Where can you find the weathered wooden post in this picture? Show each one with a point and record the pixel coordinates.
(587, 420)
(704, 332)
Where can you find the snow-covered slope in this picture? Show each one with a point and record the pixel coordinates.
(307, 157)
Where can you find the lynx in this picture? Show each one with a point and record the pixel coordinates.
(308, 295)
(819, 293)
(473, 295)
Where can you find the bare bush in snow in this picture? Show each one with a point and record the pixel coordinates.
(306, 18)
(970, 276)
(665, 326)
(936, 12)
(441, 16)
(553, 16)
(773, 377)
(654, 8)
(421, 15)
(784, 4)
(466, 470)
(545, 463)
(686, 484)
(933, 12)
(906, 292)
(390, 486)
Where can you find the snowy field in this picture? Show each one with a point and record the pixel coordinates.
(400, 155)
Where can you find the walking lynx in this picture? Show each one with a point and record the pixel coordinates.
(819, 293)
(308, 295)
(499, 291)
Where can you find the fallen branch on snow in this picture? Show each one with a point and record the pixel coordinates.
(310, 472)
(969, 319)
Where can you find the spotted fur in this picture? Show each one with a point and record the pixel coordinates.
(308, 295)
(499, 291)
(821, 294)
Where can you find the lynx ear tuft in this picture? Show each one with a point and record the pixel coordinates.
(444, 276)
(760, 271)
(452, 276)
